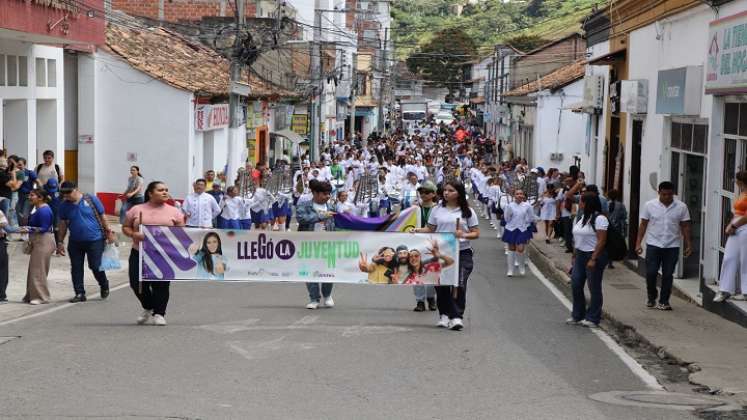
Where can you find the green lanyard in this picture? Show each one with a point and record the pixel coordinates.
(425, 213)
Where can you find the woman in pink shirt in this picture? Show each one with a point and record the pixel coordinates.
(153, 295)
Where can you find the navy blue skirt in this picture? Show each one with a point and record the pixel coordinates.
(517, 237)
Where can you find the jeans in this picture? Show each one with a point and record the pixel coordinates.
(313, 289)
(423, 292)
(3, 267)
(666, 258)
(23, 208)
(78, 250)
(579, 276)
(567, 229)
(153, 295)
(451, 306)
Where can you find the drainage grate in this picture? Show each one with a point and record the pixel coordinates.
(624, 286)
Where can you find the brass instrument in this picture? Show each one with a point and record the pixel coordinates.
(245, 183)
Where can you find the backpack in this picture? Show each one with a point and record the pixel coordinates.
(56, 168)
(616, 247)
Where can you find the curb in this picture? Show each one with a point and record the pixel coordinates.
(625, 334)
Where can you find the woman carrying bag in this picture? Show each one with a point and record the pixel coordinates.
(40, 246)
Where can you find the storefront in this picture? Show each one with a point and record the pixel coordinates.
(726, 80)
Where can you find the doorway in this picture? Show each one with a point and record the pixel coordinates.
(635, 186)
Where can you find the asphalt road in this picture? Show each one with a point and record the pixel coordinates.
(251, 351)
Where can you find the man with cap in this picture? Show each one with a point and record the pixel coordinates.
(427, 192)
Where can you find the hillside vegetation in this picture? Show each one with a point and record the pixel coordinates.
(523, 24)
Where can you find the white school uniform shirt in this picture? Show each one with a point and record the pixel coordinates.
(584, 236)
(202, 209)
(494, 193)
(518, 216)
(445, 220)
(260, 201)
(663, 229)
(232, 208)
(410, 192)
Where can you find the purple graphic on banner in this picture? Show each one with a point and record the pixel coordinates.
(173, 257)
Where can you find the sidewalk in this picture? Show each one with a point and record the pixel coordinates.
(711, 347)
(59, 280)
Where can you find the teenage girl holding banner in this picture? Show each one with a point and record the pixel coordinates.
(454, 215)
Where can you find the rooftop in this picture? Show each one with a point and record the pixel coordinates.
(554, 80)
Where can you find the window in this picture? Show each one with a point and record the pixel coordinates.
(730, 161)
(23, 71)
(12, 70)
(675, 173)
(41, 75)
(731, 118)
(52, 73)
(2, 70)
(361, 84)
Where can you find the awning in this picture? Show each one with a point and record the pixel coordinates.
(290, 135)
(609, 58)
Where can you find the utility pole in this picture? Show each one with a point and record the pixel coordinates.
(317, 83)
(383, 84)
(234, 100)
(353, 91)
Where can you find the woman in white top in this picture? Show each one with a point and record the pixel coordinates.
(589, 262)
(549, 210)
(519, 216)
(343, 204)
(454, 215)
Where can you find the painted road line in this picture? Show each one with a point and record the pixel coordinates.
(57, 308)
(620, 352)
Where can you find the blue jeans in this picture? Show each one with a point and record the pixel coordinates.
(313, 289)
(579, 277)
(666, 258)
(77, 250)
(23, 208)
(423, 292)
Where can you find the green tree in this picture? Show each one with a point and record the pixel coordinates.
(442, 60)
(535, 9)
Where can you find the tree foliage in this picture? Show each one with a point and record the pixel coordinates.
(441, 61)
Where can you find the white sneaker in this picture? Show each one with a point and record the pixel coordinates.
(588, 324)
(523, 270)
(159, 320)
(720, 297)
(456, 324)
(329, 302)
(312, 305)
(739, 296)
(510, 272)
(443, 322)
(144, 317)
(35, 302)
(571, 321)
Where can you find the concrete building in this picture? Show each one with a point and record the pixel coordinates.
(33, 74)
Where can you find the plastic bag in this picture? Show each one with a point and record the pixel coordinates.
(110, 259)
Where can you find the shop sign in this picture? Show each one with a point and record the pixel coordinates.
(727, 55)
(300, 124)
(211, 117)
(678, 91)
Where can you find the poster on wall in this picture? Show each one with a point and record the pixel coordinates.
(300, 124)
(726, 64)
(354, 257)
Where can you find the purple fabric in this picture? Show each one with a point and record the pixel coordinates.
(346, 221)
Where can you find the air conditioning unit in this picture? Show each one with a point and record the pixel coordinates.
(634, 96)
(556, 157)
(594, 91)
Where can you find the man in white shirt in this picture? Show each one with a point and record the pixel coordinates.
(200, 207)
(667, 221)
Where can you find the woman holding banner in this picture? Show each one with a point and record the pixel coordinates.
(153, 295)
(455, 215)
(316, 216)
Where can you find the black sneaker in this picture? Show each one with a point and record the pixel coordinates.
(78, 298)
(3, 301)
(432, 304)
(420, 307)
(104, 293)
(650, 304)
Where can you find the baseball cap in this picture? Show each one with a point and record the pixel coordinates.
(428, 186)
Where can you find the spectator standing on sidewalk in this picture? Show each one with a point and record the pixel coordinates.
(133, 195)
(667, 222)
(200, 207)
(589, 261)
(82, 214)
(153, 295)
(316, 216)
(423, 293)
(28, 182)
(618, 215)
(41, 240)
(735, 256)
(3, 259)
(49, 169)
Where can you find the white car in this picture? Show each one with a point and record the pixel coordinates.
(444, 117)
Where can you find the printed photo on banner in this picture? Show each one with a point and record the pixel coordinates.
(385, 258)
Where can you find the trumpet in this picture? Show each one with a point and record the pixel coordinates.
(245, 183)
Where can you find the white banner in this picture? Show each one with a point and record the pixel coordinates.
(180, 253)
(211, 117)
